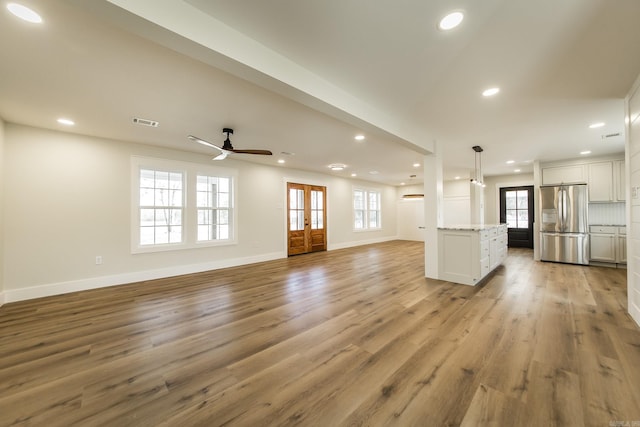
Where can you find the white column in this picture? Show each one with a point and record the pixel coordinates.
(433, 202)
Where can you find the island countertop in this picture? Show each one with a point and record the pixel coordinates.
(471, 227)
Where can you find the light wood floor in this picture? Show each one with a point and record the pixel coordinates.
(348, 337)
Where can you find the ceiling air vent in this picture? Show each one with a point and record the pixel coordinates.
(145, 122)
(610, 135)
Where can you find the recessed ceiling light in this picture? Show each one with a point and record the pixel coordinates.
(24, 13)
(585, 152)
(416, 165)
(354, 174)
(337, 166)
(66, 122)
(402, 183)
(451, 21)
(510, 162)
(491, 91)
(359, 137)
(596, 125)
(457, 177)
(516, 170)
(281, 161)
(374, 172)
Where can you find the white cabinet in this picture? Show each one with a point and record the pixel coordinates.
(619, 180)
(608, 244)
(600, 182)
(564, 174)
(468, 254)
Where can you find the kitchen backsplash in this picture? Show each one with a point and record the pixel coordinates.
(607, 213)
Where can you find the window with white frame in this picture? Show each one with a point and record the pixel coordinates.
(161, 207)
(366, 209)
(180, 205)
(214, 203)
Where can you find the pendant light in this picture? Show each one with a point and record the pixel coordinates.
(477, 176)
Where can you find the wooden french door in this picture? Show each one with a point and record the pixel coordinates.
(306, 218)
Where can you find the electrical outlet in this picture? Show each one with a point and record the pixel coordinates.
(99, 260)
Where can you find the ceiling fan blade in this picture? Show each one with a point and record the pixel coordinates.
(260, 152)
(203, 142)
(221, 156)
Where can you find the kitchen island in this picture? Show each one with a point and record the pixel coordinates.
(469, 252)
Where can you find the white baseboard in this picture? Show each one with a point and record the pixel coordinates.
(13, 295)
(332, 247)
(1, 298)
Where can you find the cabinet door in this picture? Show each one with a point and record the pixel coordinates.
(603, 247)
(564, 174)
(601, 182)
(621, 255)
(620, 182)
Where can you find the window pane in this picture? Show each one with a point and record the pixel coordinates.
(293, 220)
(147, 178)
(162, 235)
(202, 199)
(358, 200)
(523, 199)
(146, 217)
(146, 236)
(162, 179)
(359, 219)
(175, 234)
(223, 185)
(223, 232)
(373, 219)
(203, 232)
(510, 198)
(523, 219)
(512, 221)
(146, 197)
(223, 200)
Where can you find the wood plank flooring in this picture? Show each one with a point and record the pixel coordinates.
(348, 337)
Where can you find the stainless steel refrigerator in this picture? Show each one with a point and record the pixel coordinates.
(564, 229)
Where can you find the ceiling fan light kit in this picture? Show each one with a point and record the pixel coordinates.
(227, 147)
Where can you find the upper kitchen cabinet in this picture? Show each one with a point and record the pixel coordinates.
(569, 174)
(604, 176)
(600, 182)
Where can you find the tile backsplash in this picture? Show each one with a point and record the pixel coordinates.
(607, 213)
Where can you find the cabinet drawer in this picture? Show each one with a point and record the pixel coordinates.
(493, 232)
(502, 229)
(484, 266)
(484, 248)
(603, 229)
(484, 234)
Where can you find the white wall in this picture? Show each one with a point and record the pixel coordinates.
(1, 211)
(632, 160)
(492, 192)
(457, 202)
(69, 201)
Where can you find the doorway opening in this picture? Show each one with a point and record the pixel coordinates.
(306, 218)
(516, 209)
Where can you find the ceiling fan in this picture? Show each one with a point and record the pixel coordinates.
(227, 148)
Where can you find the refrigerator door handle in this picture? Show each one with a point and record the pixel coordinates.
(560, 204)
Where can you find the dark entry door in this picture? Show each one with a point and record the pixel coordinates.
(516, 209)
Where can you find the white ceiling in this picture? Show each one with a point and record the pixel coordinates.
(305, 77)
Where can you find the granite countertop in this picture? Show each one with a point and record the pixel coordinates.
(470, 227)
(608, 225)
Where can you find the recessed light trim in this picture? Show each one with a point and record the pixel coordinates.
(596, 125)
(354, 174)
(66, 122)
(517, 170)
(281, 161)
(359, 138)
(451, 20)
(373, 172)
(584, 153)
(24, 13)
(510, 162)
(491, 91)
(337, 166)
(457, 177)
(416, 165)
